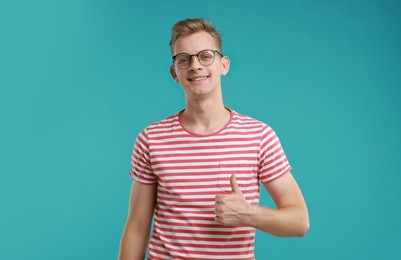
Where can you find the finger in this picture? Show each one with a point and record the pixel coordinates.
(217, 198)
(234, 185)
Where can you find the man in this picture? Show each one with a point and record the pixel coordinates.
(199, 171)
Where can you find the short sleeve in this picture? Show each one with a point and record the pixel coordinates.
(273, 162)
(141, 169)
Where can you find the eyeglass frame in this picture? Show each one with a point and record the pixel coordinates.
(197, 56)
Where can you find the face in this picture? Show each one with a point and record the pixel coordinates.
(199, 81)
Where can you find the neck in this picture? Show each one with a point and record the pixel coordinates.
(205, 116)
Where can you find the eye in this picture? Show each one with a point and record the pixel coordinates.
(182, 59)
(207, 55)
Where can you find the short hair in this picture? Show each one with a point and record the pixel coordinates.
(189, 26)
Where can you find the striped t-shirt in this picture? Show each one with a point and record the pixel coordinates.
(190, 170)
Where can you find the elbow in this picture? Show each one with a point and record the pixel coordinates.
(299, 230)
(304, 223)
(303, 228)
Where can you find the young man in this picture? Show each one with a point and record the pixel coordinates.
(199, 171)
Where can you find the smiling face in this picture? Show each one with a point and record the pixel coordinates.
(199, 81)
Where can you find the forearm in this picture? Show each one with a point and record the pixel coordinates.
(290, 221)
(134, 243)
(135, 237)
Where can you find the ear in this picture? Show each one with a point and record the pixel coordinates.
(225, 63)
(173, 73)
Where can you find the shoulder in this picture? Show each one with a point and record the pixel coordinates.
(164, 125)
(254, 126)
(166, 122)
(247, 121)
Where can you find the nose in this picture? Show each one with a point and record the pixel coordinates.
(195, 64)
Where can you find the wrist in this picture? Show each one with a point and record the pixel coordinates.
(250, 216)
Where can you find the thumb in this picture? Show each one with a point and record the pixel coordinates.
(234, 184)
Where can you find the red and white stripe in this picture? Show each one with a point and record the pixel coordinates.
(190, 170)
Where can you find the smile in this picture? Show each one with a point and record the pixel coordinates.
(198, 78)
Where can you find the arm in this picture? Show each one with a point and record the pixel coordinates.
(289, 219)
(291, 216)
(135, 237)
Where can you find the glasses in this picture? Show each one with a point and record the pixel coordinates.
(205, 57)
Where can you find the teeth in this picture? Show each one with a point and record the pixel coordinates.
(196, 79)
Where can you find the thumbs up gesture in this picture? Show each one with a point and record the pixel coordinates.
(232, 208)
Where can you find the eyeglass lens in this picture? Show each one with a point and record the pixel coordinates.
(205, 58)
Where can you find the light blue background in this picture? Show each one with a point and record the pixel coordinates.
(80, 78)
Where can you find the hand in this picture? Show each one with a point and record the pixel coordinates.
(232, 209)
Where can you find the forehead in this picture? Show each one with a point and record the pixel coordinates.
(194, 43)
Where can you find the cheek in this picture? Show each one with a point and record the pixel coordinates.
(176, 77)
(179, 78)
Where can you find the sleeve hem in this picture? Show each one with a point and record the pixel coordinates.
(275, 177)
(142, 181)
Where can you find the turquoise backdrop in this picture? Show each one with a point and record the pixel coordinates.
(80, 78)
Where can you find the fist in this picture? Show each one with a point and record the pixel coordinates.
(231, 209)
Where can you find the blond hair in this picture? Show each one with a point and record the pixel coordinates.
(189, 26)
